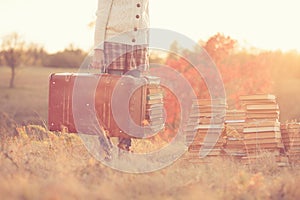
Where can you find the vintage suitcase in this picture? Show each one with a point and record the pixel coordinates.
(92, 93)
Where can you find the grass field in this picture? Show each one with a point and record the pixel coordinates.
(38, 164)
(59, 167)
(28, 101)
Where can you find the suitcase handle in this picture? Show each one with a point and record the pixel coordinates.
(67, 78)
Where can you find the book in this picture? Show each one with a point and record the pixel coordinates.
(155, 96)
(157, 121)
(260, 129)
(236, 112)
(154, 101)
(262, 107)
(234, 121)
(260, 135)
(209, 120)
(155, 90)
(262, 119)
(209, 126)
(154, 111)
(263, 112)
(235, 116)
(152, 117)
(209, 107)
(159, 105)
(153, 80)
(262, 123)
(262, 116)
(205, 102)
(257, 102)
(258, 97)
(190, 127)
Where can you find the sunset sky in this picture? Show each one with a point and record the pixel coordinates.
(266, 24)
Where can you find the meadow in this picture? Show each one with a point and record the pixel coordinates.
(28, 101)
(39, 164)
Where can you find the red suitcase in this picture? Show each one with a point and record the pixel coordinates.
(80, 102)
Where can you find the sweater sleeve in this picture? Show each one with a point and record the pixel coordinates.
(102, 16)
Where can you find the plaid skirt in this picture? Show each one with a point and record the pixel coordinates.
(123, 57)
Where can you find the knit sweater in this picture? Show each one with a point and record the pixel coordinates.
(122, 21)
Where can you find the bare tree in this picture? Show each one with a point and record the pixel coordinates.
(13, 51)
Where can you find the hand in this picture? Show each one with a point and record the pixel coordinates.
(98, 59)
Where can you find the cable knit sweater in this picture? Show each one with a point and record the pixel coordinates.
(122, 21)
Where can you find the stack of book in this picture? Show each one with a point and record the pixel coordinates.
(260, 106)
(203, 131)
(262, 128)
(155, 107)
(235, 119)
(291, 139)
(233, 134)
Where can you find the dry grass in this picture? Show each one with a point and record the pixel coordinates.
(39, 164)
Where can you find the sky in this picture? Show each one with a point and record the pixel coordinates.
(264, 24)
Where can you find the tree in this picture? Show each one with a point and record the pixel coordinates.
(174, 50)
(34, 54)
(219, 46)
(1, 59)
(71, 57)
(12, 51)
